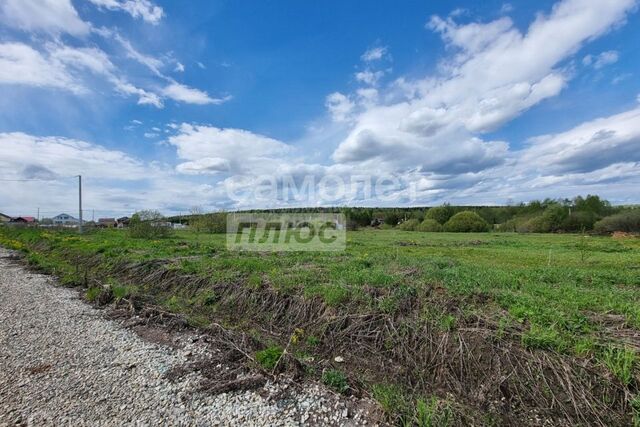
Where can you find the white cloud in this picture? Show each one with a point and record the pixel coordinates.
(64, 157)
(143, 9)
(374, 54)
(108, 178)
(150, 62)
(588, 147)
(63, 67)
(601, 60)
(209, 149)
(182, 93)
(340, 106)
(493, 74)
(22, 65)
(51, 16)
(506, 8)
(179, 68)
(369, 77)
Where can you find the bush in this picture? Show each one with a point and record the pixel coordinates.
(149, 224)
(627, 221)
(409, 225)
(466, 221)
(429, 225)
(441, 214)
(336, 380)
(268, 358)
(537, 224)
(553, 218)
(207, 222)
(578, 221)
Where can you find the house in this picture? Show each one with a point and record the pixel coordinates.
(23, 220)
(107, 223)
(123, 222)
(4, 218)
(64, 220)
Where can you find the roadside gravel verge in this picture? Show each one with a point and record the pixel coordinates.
(63, 363)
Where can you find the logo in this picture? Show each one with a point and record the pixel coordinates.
(274, 232)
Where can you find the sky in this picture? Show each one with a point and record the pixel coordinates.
(226, 105)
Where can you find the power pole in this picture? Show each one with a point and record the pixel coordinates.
(80, 203)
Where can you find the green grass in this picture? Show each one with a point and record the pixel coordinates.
(336, 380)
(268, 358)
(92, 294)
(621, 362)
(553, 291)
(543, 282)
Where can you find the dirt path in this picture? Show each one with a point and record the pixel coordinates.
(63, 363)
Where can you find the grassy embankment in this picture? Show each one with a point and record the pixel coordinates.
(438, 327)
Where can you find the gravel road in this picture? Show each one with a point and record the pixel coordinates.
(63, 363)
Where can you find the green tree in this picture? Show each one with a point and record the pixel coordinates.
(466, 221)
(440, 213)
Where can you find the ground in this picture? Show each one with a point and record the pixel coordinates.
(63, 363)
(456, 326)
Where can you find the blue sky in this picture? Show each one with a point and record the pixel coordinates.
(171, 105)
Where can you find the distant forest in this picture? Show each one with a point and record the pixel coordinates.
(590, 213)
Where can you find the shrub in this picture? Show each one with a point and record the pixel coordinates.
(268, 358)
(578, 221)
(441, 214)
(554, 218)
(537, 224)
(391, 218)
(409, 225)
(429, 225)
(149, 224)
(466, 221)
(627, 221)
(336, 380)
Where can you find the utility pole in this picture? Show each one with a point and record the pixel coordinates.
(80, 203)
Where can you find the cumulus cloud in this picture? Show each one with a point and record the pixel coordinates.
(115, 182)
(65, 157)
(50, 16)
(340, 106)
(494, 72)
(590, 146)
(209, 149)
(143, 9)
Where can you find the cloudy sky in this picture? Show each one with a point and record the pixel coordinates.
(171, 105)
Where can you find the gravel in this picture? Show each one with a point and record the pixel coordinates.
(63, 363)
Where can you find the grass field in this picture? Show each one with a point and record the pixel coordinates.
(415, 315)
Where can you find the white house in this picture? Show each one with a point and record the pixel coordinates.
(64, 219)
